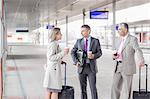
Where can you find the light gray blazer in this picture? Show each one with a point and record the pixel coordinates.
(52, 78)
(130, 47)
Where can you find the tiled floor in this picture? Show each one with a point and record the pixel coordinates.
(24, 74)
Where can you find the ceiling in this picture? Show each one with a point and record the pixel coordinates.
(31, 13)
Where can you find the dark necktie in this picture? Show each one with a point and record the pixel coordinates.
(85, 51)
(86, 45)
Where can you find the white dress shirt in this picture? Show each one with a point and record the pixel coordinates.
(121, 47)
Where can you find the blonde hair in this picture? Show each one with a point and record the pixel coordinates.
(54, 32)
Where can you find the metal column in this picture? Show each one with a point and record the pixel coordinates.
(114, 25)
(67, 31)
(56, 23)
(83, 12)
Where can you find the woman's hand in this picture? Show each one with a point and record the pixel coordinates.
(66, 51)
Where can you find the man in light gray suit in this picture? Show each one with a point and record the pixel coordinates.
(87, 68)
(126, 47)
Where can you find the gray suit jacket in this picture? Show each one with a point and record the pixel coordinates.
(94, 47)
(130, 47)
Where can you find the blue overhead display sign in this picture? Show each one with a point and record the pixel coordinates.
(99, 14)
(49, 26)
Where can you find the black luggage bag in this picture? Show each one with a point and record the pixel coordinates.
(142, 93)
(67, 92)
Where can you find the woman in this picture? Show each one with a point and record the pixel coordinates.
(52, 79)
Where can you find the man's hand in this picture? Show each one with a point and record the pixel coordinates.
(78, 64)
(141, 64)
(91, 56)
(115, 56)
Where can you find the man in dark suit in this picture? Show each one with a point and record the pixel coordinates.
(87, 68)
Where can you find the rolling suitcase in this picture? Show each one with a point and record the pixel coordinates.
(67, 92)
(142, 94)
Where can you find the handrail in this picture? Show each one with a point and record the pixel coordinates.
(1, 74)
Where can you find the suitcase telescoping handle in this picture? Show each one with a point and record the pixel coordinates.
(140, 78)
(62, 62)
